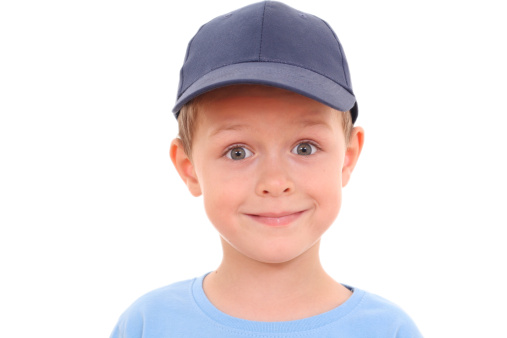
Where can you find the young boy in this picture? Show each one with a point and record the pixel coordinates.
(266, 111)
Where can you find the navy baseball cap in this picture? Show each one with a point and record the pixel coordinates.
(268, 43)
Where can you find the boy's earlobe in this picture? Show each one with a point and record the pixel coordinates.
(352, 153)
(185, 167)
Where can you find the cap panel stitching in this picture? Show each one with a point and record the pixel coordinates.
(262, 29)
(341, 52)
(182, 73)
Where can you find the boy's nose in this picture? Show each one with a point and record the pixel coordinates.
(274, 181)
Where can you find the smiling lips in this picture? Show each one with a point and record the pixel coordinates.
(274, 220)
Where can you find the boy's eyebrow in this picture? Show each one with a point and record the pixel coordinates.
(233, 127)
(311, 123)
(237, 127)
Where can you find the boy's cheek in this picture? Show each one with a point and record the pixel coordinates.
(218, 187)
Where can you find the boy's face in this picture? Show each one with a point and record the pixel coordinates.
(270, 165)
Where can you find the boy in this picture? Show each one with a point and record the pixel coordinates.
(266, 111)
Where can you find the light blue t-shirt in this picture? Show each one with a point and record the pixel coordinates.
(183, 310)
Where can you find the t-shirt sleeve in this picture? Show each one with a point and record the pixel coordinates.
(130, 325)
(408, 329)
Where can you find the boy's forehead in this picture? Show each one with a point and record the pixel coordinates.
(232, 107)
(234, 94)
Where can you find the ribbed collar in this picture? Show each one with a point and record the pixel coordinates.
(306, 324)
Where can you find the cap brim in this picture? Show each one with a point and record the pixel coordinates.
(293, 78)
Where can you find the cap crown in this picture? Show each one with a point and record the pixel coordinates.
(268, 32)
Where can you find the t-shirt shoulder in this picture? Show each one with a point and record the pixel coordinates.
(172, 295)
(380, 312)
(153, 307)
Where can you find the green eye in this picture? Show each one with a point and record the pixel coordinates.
(239, 153)
(304, 149)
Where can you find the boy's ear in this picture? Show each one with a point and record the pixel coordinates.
(352, 153)
(185, 167)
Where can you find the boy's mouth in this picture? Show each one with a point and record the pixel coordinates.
(276, 219)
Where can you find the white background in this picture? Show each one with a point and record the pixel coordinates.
(93, 215)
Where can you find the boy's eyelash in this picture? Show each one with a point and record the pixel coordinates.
(313, 143)
(238, 145)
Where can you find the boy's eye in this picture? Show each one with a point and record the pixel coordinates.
(239, 153)
(304, 148)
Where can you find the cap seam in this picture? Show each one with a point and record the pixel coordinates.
(341, 51)
(262, 30)
(182, 73)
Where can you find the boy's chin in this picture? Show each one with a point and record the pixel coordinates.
(279, 255)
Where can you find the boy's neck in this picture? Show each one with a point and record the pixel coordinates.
(248, 289)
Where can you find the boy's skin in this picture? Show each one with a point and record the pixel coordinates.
(272, 206)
